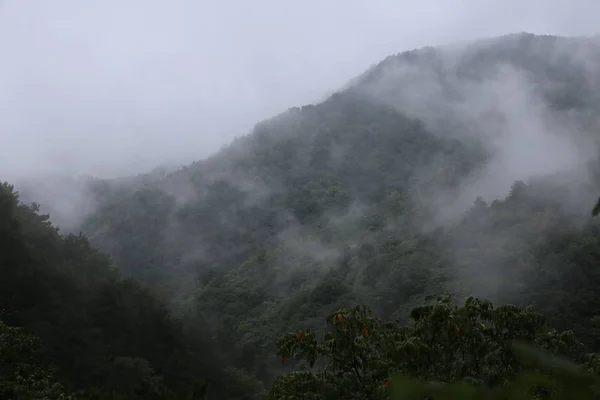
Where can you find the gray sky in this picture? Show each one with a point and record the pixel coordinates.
(112, 87)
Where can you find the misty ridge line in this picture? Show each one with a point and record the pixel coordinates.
(475, 46)
(502, 111)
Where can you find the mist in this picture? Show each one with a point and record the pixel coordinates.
(504, 108)
(251, 168)
(112, 89)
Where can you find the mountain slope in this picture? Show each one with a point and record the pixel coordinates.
(70, 199)
(107, 337)
(278, 181)
(367, 197)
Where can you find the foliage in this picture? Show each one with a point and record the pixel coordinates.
(466, 349)
(22, 375)
(108, 337)
(545, 377)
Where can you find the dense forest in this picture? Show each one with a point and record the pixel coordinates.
(449, 189)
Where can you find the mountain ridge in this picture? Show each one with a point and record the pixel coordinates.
(440, 169)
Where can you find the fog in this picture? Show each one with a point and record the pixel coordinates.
(344, 203)
(112, 88)
(504, 107)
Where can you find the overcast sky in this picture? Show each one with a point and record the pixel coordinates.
(113, 87)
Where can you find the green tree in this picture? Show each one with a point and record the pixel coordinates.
(22, 372)
(444, 342)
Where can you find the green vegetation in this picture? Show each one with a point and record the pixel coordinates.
(22, 375)
(468, 351)
(202, 273)
(106, 336)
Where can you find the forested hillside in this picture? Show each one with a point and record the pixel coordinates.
(69, 199)
(70, 323)
(469, 169)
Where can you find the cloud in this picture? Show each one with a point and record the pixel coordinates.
(112, 88)
(511, 109)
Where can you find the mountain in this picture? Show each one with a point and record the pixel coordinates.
(68, 199)
(470, 169)
(366, 197)
(67, 312)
